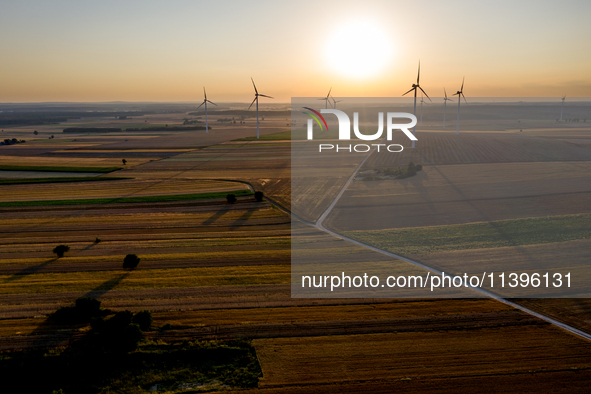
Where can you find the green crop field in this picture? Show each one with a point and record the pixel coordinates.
(85, 201)
(58, 168)
(478, 235)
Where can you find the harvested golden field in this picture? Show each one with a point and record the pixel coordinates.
(448, 148)
(419, 355)
(115, 188)
(221, 271)
(464, 193)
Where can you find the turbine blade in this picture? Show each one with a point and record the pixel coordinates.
(419, 73)
(409, 91)
(255, 86)
(262, 95)
(445, 92)
(464, 98)
(204, 94)
(462, 88)
(255, 99)
(330, 90)
(201, 104)
(211, 102)
(425, 93)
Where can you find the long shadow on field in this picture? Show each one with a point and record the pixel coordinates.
(29, 270)
(215, 217)
(242, 219)
(51, 334)
(90, 246)
(105, 287)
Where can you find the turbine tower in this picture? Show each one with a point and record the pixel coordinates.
(445, 100)
(422, 101)
(205, 101)
(327, 98)
(562, 107)
(460, 94)
(256, 98)
(415, 87)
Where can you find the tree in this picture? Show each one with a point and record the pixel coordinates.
(231, 198)
(60, 250)
(35, 132)
(97, 240)
(143, 319)
(131, 261)
(258, 196)
(124, 161)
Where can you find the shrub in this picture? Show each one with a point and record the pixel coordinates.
(60, 250)
(131, 261)
(258, 196)
(97, 240)
(88, 307)
(117, 334)
(419, 167)
(84, 311)
(143, 319)
(231, 198)
(124, 161)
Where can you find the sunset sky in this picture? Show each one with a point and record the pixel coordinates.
(166, 51)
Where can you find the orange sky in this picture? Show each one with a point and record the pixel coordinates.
(166, 51)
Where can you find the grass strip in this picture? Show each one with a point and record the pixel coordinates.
(23, 181)
(58, 168)
(118, 200)
(513, 232)
(284, 135)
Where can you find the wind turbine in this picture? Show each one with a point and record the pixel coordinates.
(334, 102)
(205, 101)
(460, 94)
(256, 98)
(422, 101)
(415, 87)
(445, 100)
(562, 107)
(327, 98)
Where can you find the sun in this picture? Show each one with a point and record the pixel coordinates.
(358, 49)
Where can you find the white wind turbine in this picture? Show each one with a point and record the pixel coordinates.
(460, 94)
(205, 101)
(334, 102)
(256, 98)
(445, 100)
(422, 101)
(562, 107)
(415, 87)
(327, 98)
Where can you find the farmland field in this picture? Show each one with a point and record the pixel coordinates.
(218, 271)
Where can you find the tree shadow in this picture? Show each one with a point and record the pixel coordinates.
(90, 246)
(105, 287)
(215, 216)
(241, 220)
(29, 270)
(52, 334)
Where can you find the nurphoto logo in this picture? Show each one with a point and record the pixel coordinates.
(345, 129)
